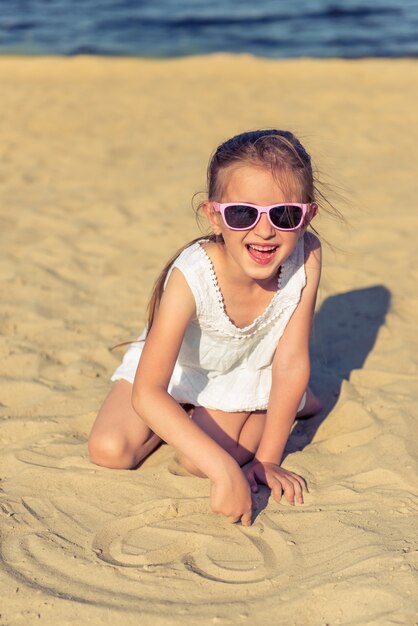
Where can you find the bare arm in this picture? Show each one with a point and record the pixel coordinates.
(290, 376)
(165, 417)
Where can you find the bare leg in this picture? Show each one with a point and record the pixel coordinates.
(119, 438)
(238, 433)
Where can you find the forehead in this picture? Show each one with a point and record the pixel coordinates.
(256, 184)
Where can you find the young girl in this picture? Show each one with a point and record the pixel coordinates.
(228, 333)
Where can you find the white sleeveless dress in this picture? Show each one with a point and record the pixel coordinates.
(221, 366)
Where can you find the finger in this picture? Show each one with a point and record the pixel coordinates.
(288, 490)
(302, 482)
(300, 487)
(297, 487)
(276, 490)
(246, 518)
(252, 482)
(232, 519)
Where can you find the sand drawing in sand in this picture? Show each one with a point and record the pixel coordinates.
(80, 552)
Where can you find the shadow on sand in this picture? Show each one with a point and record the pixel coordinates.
(344, 333)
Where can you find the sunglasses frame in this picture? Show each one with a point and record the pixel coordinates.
(220, 207)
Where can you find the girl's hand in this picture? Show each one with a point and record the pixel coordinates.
(231, 496)
(279, 480)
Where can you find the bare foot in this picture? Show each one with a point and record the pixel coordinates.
(312, 405)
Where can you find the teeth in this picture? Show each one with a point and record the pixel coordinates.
(263, 248)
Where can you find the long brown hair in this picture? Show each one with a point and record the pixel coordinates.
(278, 150)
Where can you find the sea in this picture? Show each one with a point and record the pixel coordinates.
(174, 28)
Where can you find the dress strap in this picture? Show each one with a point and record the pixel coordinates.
(191, 263)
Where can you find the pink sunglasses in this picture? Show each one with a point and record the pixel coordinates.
(243, 216)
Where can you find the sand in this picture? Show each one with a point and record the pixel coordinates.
(99, 161)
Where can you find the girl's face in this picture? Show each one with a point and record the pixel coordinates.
(256, 253)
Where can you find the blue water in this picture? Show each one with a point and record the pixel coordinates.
(168, 28)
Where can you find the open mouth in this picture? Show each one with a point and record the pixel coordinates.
(261, 254)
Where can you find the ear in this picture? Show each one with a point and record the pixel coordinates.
(310, 215)
(313, 211)
(213, 217)
(308, 218)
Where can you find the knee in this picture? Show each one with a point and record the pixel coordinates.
(111, 450)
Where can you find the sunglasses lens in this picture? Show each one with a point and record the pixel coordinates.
(286, 217)
(240, 216)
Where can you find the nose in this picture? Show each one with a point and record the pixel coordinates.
(263, 228)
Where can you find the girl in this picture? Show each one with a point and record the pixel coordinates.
(228, 333)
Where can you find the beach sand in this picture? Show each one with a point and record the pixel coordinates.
(99, 161)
